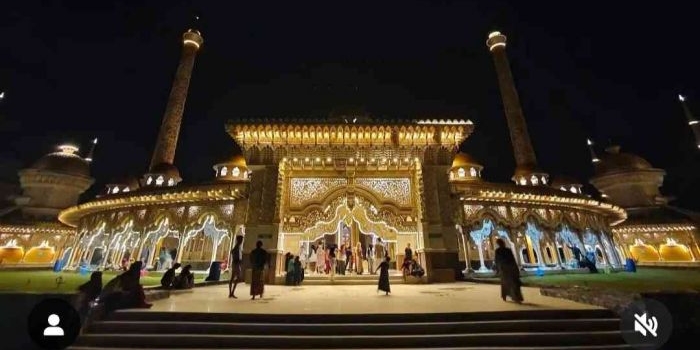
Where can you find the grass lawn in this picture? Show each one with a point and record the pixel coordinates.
(45, 281)
(645, 279)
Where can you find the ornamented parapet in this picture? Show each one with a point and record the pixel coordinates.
(315, 133)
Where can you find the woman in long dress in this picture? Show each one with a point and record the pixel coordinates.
(510, 273)
(358, 259)
(312, 259)
(384, 276)
(320, 260)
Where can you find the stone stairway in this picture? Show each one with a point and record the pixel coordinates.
(535, 329)
(350, 279)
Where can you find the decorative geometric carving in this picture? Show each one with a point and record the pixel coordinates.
(471, 209)
(303, 190)
(397, 190)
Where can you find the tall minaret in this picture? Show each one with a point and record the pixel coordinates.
(526, 170)
(692, 122)
(162, 172)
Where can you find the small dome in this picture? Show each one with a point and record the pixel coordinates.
(464, 159)
(564, 181)
(613, 161)
(166, 169)
(237, 160)
(65, 161)
(128, 181)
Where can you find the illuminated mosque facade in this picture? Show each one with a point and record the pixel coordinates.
(347, 179)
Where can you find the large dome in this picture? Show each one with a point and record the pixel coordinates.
(613, 161)
(65, 161)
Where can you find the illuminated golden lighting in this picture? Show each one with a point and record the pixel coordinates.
(497, 45)
(692, 122)
(189, 41)
(295, 159)
(681, 98)
(328, 159)
(318, 159)
(492, 34)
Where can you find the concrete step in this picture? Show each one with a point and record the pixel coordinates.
(561, 347)
(162, 341)
(175, 327)
(140, 315)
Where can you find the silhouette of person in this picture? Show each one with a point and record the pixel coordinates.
(54, 330)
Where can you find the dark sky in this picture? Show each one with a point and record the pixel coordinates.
(608, 70)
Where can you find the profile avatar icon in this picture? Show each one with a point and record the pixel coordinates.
(53, 330)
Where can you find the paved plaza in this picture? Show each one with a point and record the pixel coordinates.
(359, 299)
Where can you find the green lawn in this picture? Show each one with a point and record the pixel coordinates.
(645, 279)
(45, 281)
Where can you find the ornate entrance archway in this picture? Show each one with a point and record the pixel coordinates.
(352, 221)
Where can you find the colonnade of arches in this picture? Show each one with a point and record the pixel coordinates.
(158, 246)
(536, 247)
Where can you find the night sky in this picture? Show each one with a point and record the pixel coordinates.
(75, 70)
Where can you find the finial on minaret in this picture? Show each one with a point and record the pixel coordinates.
(526, 170)
(92, 150)
(692, 122)
(162, 172)
(594, 157)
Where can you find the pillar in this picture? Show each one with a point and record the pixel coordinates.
(525, 159)
(164, 152)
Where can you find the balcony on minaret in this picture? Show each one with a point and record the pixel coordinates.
(162, 175)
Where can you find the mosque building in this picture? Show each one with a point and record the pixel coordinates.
(345, 179)
(30, 233)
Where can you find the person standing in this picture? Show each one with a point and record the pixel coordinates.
(384, 276)
(320, 259)
(236, 260)
(358, 258)
(509, 272)
(312, 259)
(408, 252)
(258, 260)
(370, 258)
(341, 261)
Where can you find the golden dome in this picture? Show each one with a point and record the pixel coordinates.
(237, 160)
(65, 161)
(613, 161)
(464, 159)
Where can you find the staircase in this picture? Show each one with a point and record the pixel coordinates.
(352, 279)
(536, 329)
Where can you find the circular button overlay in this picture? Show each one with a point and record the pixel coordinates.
(53, 324)
(646, 324)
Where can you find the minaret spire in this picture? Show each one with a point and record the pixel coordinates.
(91, 154)
(692, 122)
(594, 157)
(526, 170)
(162, 171)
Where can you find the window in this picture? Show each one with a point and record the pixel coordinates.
(171, 182)
(224, 171)
(235, 172)
(534, 180)
(159, 180)
(461, 172)
(472, 172)
(115, 189)
(150, 179)
(523, 182)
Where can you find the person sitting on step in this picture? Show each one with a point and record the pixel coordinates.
(185, 280)
(169, 276)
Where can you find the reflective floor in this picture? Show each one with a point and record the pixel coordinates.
(362, 299)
